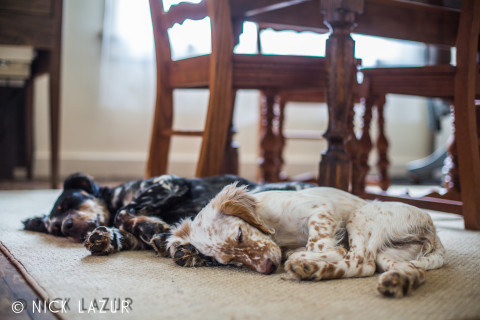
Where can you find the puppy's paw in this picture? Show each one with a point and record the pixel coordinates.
(102, 241)
(36, 224)
(188, 256)
(146, 228)
(394, 284)
(300, 268)
(159, 244)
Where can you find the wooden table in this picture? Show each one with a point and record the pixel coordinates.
(386, 18)
(406, 20)
(38, 23)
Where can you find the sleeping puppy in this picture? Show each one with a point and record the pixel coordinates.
(323, 233)
(135, 215)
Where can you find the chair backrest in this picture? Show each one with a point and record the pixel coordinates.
(220, 19)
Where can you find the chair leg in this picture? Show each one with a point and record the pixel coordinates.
(230, 164)
(364, 149)
(353, 148)
(382, 147)
(161, 136)
(451, 181)
(270, 142)
(465, 118)
(220, 109)
(281, 139)
(214, 138)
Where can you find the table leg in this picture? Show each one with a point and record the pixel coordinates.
(340, 16)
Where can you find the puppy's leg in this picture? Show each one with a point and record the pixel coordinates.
(104, 240)
(322, 236)
(405, 267)
(152, 231)
(131, 233)
(334, 262)
(400, 277)
(141, 217)
(316, 266)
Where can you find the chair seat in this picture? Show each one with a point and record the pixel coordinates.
(253, 72)
(428, 81)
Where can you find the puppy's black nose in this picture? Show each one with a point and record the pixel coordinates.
(67, 226)
(56, 229)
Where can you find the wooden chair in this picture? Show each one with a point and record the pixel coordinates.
(222, 72)
(459, 84)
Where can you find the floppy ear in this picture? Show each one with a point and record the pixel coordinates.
(81, 181)
(245, 211)
(36, 224)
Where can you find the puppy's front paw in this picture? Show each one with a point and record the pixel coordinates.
(159, 244)
(394, 284)
(101, 241)
(188, 256)
(302, 269)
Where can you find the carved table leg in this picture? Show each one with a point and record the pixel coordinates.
(335, 166)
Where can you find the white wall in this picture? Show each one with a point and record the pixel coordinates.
(110, 142)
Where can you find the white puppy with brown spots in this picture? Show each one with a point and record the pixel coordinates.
(241, 228)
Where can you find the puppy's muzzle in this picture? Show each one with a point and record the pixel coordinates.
(77, 229)
(268, 267)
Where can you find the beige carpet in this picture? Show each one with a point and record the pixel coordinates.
(161, 290)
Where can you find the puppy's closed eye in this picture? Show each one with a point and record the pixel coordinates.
(239, 235)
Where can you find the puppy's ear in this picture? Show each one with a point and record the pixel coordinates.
(81, 181)
(35, 224)
(238, 209)
(236, 201)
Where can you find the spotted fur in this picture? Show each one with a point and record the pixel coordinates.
(323, 233)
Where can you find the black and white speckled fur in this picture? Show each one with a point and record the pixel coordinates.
(135, 215)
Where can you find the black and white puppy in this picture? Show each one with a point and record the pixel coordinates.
(135, 215)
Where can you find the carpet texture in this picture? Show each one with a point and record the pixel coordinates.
(158, 289)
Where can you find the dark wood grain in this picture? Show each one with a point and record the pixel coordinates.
(13, 287)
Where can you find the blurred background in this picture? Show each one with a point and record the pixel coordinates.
(108, 95)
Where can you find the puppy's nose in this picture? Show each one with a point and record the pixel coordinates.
(55, 228)
(67, 226)
(270, 267)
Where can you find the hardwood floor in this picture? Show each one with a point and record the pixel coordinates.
(13, 290)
